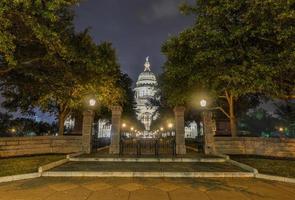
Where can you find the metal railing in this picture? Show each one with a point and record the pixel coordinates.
(148, 146)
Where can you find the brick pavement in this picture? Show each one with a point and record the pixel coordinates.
(145, 188)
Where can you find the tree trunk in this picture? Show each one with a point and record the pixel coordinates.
(61, 122)
(232, 117)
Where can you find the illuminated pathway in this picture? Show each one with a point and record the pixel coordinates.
(145, 188)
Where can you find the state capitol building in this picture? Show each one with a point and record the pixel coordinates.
(145, 90)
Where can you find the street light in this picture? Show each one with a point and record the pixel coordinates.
(92, 102)
(123, 125)
(131, 128)
(170, 125)
(161, 128)
(203, 103)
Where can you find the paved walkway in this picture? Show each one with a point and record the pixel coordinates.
(145, 188)
(149, 167)
(104, 153)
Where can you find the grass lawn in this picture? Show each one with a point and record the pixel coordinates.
(26, 164)
(269, 165)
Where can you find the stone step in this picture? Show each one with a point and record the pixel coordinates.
(148, 174)
(96, 159)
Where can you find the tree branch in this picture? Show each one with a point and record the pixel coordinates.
(28, 62)
(222, 110)
(4, 71)
(227, 96)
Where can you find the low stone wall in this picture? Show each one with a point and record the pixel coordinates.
(283, 147)
(18, 146)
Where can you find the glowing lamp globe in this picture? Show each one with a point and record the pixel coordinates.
(203, 103)
(92, 102)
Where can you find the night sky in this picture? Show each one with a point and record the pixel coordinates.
(136, 28)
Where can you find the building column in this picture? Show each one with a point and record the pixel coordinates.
(179, 128)
(115, 130)
(208, 126)
(88, 117)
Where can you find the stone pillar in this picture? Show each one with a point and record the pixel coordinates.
(78, 124)
(115, 131)
(88, 117)
(208, 126)
(179, 128)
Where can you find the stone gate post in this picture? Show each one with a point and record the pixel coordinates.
(115, 130)
(209, 146)
(88, 117)
(179, 129)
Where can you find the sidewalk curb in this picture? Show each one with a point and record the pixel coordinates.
(150, 174)
(19, 177)
(275, 178)
(238, 164)
(74, 155)
(208, 160)
(243, 166)
(52, 165)
(260, 175)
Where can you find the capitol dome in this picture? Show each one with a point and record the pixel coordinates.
(146, 77)
(144, 91)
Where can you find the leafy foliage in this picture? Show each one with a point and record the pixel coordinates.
(259, 122)
(50, 66)
(23, 126)
(286, 112)
(235, 48)
(32, 31)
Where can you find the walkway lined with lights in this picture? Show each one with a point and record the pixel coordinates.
(145, 189)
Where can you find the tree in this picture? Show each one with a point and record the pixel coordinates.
(5, 121)
(48, 65)
(129, 113)
(286, 112)
(235, 48)
(259, 121)
(62, 86)
(32, 31)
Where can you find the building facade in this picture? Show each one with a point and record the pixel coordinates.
(144, 92)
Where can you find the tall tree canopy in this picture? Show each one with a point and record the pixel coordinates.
(32, 31)
(50, 66)
(234, 48)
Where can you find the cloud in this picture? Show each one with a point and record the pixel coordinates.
(160, 9)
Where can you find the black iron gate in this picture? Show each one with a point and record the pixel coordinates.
(99, 138)
(148, 146)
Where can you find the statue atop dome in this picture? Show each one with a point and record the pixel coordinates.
(147, 64)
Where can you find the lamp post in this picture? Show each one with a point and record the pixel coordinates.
(88, 126)
(208, 135)
(281, 131)
(92, 103)
(170, 125)
(203, 103)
